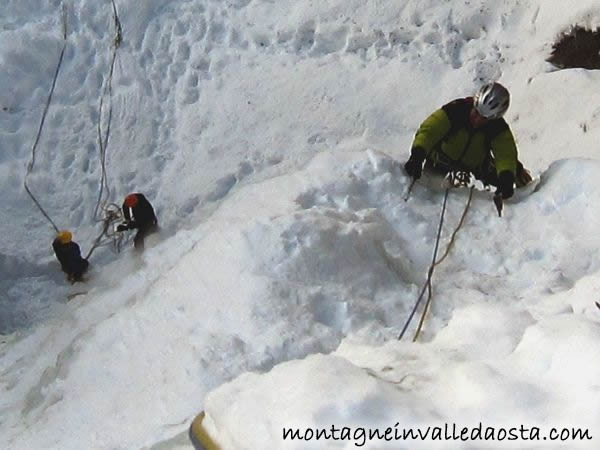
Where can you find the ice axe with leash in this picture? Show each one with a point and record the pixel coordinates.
(499, 203)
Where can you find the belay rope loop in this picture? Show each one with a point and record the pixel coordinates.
(455, 179)
(39, 132)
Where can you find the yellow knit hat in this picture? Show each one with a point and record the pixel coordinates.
(64, 236)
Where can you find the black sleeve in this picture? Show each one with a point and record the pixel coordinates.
(76, 250)
(417, 154)
(144, 212)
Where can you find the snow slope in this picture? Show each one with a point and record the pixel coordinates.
(268, 136)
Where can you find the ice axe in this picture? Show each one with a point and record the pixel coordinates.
(498, 202)
(414, 180)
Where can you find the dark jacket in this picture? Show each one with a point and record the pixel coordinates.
(141, 215)
(69, 256)
(448, 138)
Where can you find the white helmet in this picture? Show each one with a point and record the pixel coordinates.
(492, 100)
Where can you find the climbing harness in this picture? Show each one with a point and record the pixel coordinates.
(453, 180)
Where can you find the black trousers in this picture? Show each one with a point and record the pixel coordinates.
(138, 240)
(77, 272)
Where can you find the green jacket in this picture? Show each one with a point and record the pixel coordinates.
(448, 138)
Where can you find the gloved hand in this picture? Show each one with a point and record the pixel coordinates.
(122, 227)
(523, 176)
(414, 165)
(506, 182)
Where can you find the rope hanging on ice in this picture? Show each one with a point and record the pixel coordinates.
(103, 140)
(111, 212)
(455, 179)
(31, 164)
(431, 267)
(439, 261)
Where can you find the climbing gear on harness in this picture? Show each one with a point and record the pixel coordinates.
(112, 214)
(459, 178)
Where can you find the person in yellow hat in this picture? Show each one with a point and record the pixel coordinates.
(69, 255)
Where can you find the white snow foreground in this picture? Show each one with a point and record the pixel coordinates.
(285, 269)
(517, 361)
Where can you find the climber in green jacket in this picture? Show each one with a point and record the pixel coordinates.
(470, 135)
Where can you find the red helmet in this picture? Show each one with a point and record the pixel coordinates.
(131, 200)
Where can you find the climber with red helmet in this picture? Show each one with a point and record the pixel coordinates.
(138, 214)
(69, 255)
(470, 135)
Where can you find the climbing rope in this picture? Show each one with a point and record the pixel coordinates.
(438, 262)
(31, 164)
(455, 179)
(431, 267)
(458, 227)
(103, 139)
(111, 215)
